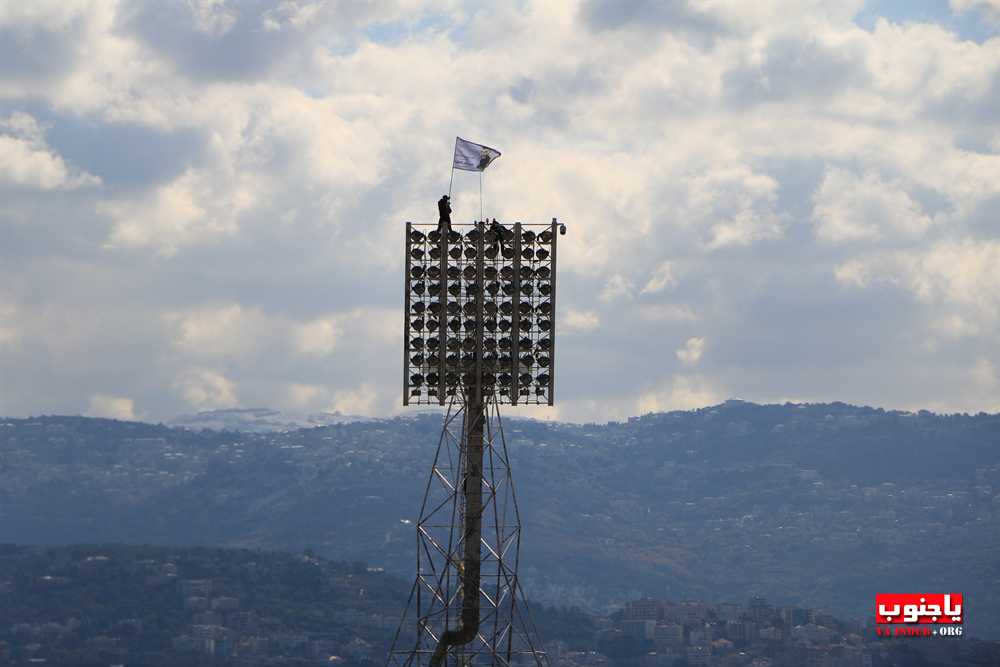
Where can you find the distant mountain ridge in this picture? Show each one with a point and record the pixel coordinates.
(260, 420)
(263, 419)
(820, 503)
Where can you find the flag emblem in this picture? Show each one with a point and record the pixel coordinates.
(471, 156)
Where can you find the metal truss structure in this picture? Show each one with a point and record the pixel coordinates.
(440, 599)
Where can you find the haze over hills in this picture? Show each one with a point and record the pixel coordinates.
(259, 420)
(823, 505)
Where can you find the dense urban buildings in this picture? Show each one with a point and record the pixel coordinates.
(108, 604)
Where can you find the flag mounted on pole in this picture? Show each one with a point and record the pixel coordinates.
(473, 157)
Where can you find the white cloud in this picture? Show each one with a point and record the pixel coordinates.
(950, 272)
(966, 5)
(617, 287)
(229, 331)
(955, 327)
(579, 320)
(50, 14)
(360, 400)
(9, 330)
(683, 393)
(660, 279)
(955, 283)
(295, 13)
(315, 128)
(984, 375)
(964, 272)
(318, 337)
(980, 375)
(213, 16)
(189, 210)
(667, 313)
(111, 407)
(851, 208)
(371, 326)
(23, 126)
(26, 160)
(690, 354)
(852, 272)
(328, 142)
(991, 7)
(205, 389)
(303, 396)
(236, 333)
(736, 204)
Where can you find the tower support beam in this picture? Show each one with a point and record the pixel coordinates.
(472, 489)
(466, 606)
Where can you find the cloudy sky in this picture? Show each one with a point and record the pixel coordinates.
(201, 200)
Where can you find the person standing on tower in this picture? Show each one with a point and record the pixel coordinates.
(444, 214)
(497, 230)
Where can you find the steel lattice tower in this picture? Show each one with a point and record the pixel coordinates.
(479, 332)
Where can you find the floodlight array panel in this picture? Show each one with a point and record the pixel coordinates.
(498, 340)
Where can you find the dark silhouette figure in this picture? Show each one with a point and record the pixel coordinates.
(444, 214)
(497, 230)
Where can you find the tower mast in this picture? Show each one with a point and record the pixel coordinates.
(479, 327)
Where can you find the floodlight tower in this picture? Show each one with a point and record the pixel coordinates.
(479, 332)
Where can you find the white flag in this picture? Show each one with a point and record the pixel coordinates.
(473, 157)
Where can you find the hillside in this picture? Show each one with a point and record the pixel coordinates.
(824, 504)
(166, 606)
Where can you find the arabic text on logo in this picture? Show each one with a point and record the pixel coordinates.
(919, 614)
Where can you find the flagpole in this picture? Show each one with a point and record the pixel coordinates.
(480, 196)
(450, 182)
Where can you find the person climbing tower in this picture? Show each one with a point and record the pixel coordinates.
(444, 214)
